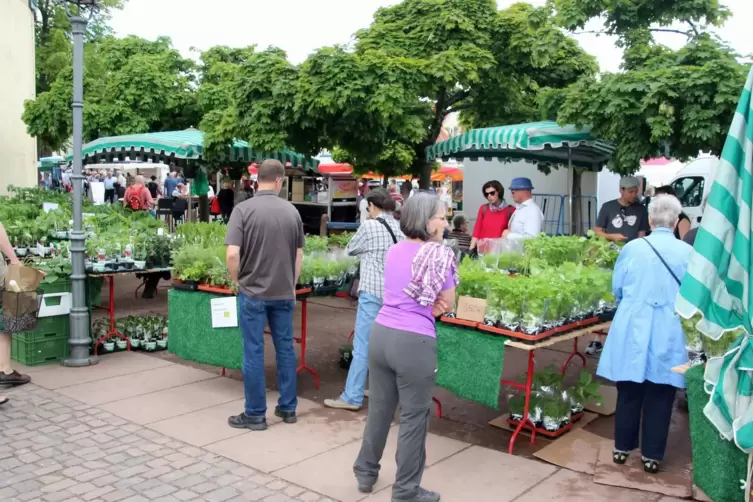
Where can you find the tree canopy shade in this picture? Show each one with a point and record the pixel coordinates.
(379, 103)
(131, 85)
(53, 35)
(664, 102)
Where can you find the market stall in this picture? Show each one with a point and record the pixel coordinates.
(544, 143)
(553, 290)
(203, 306)
(185, 150)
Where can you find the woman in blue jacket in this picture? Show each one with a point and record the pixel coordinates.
(646, 339)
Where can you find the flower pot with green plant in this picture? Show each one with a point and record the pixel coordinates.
(109, 344)
(554, 409)
(585, 392)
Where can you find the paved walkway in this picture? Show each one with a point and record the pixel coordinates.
(137, 428)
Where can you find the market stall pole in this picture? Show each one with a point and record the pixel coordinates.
(79, 315)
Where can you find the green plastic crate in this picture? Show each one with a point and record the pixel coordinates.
(59, 286)
(47, 343)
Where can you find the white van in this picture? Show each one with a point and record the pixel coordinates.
(692, 183)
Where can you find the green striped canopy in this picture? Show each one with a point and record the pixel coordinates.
(717, 284)
(45, 164)
(182, 145)
(544, 142)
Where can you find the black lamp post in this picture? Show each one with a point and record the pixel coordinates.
(79, 317)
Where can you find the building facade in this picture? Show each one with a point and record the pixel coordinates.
(18, 150)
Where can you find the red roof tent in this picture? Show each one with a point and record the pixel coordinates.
(323, 168)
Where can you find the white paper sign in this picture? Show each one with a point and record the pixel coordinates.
(224, 312)
(97, 192)
(49, 206)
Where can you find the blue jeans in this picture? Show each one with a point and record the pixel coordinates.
(368, 308)
(253, 315)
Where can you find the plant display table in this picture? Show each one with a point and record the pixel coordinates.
(192, 336)
(110, 308)
(496, 367)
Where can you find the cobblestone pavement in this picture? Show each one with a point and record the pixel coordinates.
(55, 448)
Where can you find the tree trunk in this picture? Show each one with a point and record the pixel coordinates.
(576, 221)
(204, 208)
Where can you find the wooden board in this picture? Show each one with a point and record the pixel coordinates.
(672, 483)
(558, 339)
(577, 450)
(681, 369)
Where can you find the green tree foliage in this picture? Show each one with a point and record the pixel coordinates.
(53, 35)
(381, 101)
(131, 85)
(664, 102)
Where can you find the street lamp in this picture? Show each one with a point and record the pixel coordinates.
(79, 317)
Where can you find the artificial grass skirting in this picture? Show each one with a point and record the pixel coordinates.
(718, 465)
(192, 336)
(470, 363)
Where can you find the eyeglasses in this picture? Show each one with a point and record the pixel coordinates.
(491, 194)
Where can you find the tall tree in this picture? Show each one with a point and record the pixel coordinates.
(382, 101)
(131, 85)
(663, 102)
(53, 35)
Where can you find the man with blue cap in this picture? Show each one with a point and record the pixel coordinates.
(527, 219)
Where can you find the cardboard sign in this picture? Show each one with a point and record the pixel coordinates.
(471, 309)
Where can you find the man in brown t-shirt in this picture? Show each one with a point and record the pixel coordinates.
(264, 255)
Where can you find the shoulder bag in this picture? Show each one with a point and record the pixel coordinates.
(666, 265)
(355, 282)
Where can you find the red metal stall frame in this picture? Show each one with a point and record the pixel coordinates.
(527, 387)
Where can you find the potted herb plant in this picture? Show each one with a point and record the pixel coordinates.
(586, 391)
(109, 344)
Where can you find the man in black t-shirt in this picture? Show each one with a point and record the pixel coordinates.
(623, 219)
(153, 187)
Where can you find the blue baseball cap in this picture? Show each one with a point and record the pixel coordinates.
(521, 184)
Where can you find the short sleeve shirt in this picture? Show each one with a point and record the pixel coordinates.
(615, 218)
(269, 232)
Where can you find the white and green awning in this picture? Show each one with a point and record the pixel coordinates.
(181, 145)
(543, 142)
(718, 285)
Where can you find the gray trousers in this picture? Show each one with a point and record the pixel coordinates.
(402, 370)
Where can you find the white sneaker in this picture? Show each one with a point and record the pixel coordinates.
(366, 393)
(339, 404)
(594, 348)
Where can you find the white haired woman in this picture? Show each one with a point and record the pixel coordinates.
(646, 339)
(419, 284)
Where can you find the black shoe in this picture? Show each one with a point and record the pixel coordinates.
(288, 417)
(243, 421)
(366, 485)
(423, 495)
(650, 466)
(14, 378)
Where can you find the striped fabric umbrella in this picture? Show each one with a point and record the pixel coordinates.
(182, 145)
(716, 291)
(544, 142)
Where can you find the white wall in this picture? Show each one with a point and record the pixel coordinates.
(17, 148)
(478, 172)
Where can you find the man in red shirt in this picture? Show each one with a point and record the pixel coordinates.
(494, 217)
(137, 196)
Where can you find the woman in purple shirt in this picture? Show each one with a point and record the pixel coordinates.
(419, 285)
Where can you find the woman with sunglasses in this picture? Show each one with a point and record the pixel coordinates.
(494, 216)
